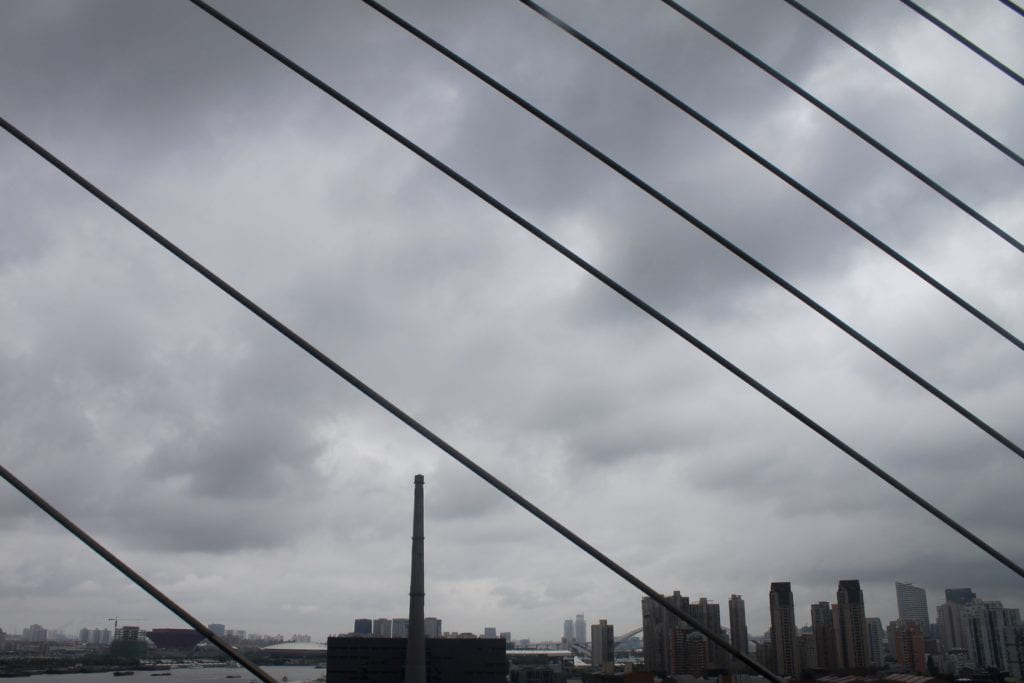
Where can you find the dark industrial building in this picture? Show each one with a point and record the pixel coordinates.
(175, 639)
(449, 660)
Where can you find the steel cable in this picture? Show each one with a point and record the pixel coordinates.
(846, 123)
(898, 75)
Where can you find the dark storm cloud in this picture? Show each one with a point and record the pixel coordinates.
(191, 436)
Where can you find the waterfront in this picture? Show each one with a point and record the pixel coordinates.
(295, 674)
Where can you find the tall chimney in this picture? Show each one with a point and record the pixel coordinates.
(416, 646)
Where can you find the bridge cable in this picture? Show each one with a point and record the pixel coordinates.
(898, 75)
(1013, 6)
(963, 40)
(843, 121)
(134, 576)
(410, 421)
(565, 251)
(700, 225)
(600, 275)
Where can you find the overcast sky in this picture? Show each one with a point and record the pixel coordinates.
(264, 493)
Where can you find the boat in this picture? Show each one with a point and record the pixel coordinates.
(124, 673)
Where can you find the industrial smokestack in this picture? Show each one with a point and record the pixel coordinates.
(416, 645)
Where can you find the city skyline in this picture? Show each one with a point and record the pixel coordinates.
(256, 490)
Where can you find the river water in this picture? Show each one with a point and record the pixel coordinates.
(295, 674)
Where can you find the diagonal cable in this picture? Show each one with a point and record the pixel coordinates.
(963, 40)
(845, 122)
(722, 133)
(703, 227)
(404, 417)
(597, 273)
(708, 230)
(1013, 6)
(898, 75)
(547, 239)
(134, 576)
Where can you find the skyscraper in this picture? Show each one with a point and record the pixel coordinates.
(876, 642)
(581, 630)
(363, 627)
(738, 623)
(568, 634)
(961, 596)
(780, 600)
(851, 626)
(382, 628)
(659, 625)
(824, 636)
(602, 645)
(912, 604)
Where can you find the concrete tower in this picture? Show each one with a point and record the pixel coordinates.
(416, 645)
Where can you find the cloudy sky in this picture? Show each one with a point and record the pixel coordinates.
(264, 493)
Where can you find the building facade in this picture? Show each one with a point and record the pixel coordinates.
(851, 628)
(783, 629)
(738, 636)
(912, 604)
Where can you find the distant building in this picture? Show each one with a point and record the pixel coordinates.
(602, 646)
(906, 640)
(825, 652)
(399, 628)
(876, 642)
(180, 640)
(34, 634)
(961, 596)
(506, 636)
(490, 632)
(912, 604)
(783, 629)
(568, 633)
(363, 627)
(850, 626)
(432, 627)
(658, 626)
(449, 660)
(738, 623)
(580, 630)
(218, 629)
(381, 628)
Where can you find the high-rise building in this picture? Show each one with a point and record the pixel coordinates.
(783, 630)
(876, 642)
(824, 637)
(850, 626)
(218, 629)
(988, 629)
(490, 632)
(912, 604)
(659, 625)
(400, 628)
(363, 627)
(506, 636)
(581, 630)
(961, 596)
(381, 628)
(602, 645)
(738, 623)
(432, 627)
(34, 634)
(906, 641)
(568, 633)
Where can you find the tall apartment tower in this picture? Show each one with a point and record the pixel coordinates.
(568, 633)
(960, 596)
(738, 623)
(780, 599)
(824, 636)
(912, 604)
(581, 630)
(602, 645)
(851, 626)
